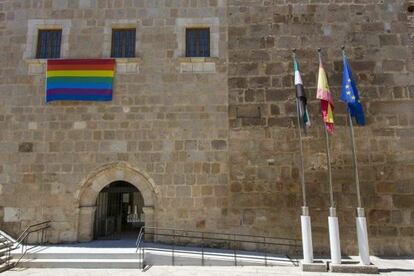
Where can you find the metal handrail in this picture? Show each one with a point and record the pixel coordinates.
(21, 237)
(141, 250)
(217, 233)
(232, 239)
(139, 239)
(8, 245)
(22, 240)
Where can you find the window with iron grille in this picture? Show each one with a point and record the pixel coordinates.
(197, 42)
(48, 43)
(123, 43)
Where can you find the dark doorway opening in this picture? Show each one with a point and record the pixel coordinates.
(119, 212)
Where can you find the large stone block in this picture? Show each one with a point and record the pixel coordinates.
(11, 214)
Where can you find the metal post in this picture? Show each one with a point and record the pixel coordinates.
(296, 251)
(302, 170)
(173, 248)
(305, 219)
(354, 159)
(361, 222)
(234, 247)
(265, 244)
(328, 160)
(143, 257)
(202, 249)
(333, 225)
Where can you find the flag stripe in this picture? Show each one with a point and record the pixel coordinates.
(300, 92)
(72, 97)
(79, 85)
(298, 78)
(80, 80)
(79, 91)
(80, 61)
(80, 73)
(55, 67)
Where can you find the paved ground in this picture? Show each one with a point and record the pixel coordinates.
(388, 267)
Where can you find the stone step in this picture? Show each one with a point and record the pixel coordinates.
(4, 267)
(122, 254)
(4, 251)
(211, 258)
(5, 245)
(81, 263)
(153, 256)
(45, 256)
(4, 259)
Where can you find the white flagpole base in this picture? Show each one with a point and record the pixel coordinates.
(334, 241)
(305, 221)
(362, 233)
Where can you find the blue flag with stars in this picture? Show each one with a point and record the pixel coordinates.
(350, 95)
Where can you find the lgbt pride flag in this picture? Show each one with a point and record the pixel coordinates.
(79, 79)
(324, 94)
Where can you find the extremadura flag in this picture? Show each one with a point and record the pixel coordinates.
(301, 97)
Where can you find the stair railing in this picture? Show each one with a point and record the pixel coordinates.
(8, 244)
(39, 228)
(226, 238)
(140, 250)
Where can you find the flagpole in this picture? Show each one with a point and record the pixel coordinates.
(361, 222)
(334, 241)
(302, 169)
(328, 154)
(305, 219)
(354, 159)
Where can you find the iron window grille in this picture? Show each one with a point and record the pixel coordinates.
(123, 43)
(48, 43)
(197, 42)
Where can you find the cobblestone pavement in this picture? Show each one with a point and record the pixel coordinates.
(389, 267)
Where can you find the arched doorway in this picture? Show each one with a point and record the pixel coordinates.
(95, 182)
(119, 211)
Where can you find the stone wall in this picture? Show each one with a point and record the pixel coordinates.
(264, 176)
(170, 123)
(216, 138)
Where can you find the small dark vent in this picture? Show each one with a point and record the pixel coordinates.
(410, 8)
(248, 111)
(26, 147)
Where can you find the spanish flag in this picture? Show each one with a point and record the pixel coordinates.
(324, 94)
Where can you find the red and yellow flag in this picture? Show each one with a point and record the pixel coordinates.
(324, 94)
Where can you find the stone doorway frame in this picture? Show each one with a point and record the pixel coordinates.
(96, 181)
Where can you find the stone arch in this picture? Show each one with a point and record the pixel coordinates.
(96, 181)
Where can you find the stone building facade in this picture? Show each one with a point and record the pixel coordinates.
(211, 143)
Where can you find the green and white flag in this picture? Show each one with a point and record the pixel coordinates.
(301, 97)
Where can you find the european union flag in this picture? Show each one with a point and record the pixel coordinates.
(350, 96)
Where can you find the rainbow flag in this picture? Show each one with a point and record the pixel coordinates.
(324, 94)
(79, 79)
